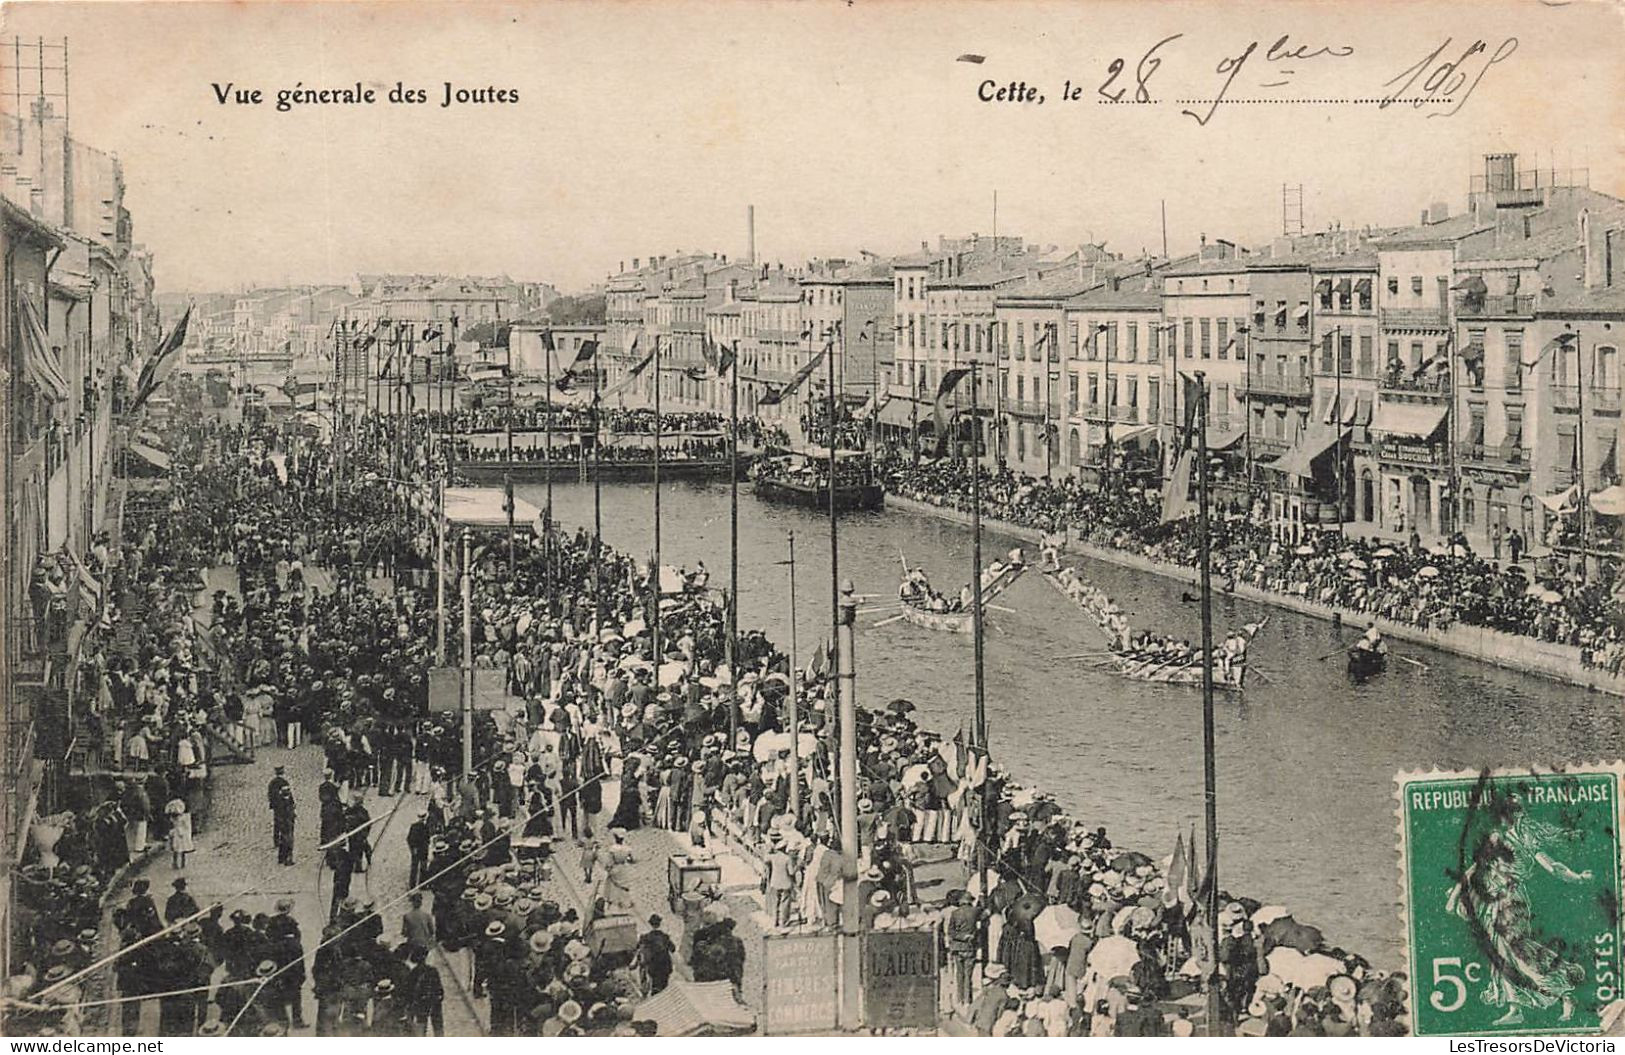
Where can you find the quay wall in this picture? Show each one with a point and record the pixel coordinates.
(1512, 651)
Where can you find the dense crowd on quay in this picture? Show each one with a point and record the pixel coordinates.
(603, 737)
(1403, 581)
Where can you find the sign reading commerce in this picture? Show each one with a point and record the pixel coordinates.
(900, 974)
(799, 972)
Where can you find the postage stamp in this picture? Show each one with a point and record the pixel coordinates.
(1511, 893)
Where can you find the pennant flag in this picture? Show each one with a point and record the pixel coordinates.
(1176, 493)
(726, 357)
(1178, 881)
(163, 361)
(770, 398)
(430, 333)
(805, 372)
(1192, 394)
(1561, 340)
(587, 351)
(694, 373)
(632, 373)
(939, 406)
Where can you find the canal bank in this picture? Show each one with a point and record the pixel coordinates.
(1497, 648)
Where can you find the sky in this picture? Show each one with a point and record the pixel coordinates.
(646, 128)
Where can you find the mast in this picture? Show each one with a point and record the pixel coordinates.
(547, 518)
(834, 535)
(1209, 768)
(597, 509)
(794, 705)
(733, 552)
(654, 573)
(979, 729)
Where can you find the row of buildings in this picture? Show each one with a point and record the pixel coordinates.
(1457, 374)
(77, 317)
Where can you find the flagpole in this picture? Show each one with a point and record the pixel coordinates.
(977, 617)
(338, 403)
(794, 709)
(1209, 768)
(597, 508)
(834, 537)
(547, 518)
(654, 576)
(733, 550)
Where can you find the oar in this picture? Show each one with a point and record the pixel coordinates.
(1412, 662)
(1082, 655)
(883, 622)
(998, 607)
(1342, 649)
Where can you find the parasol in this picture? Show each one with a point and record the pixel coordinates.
(1129, 861)
(1028, 906)
(1359, 565)
(1055, 926)
(1386, 551)
(1287, 932)
(1347, 555)
(1551, 597)
(916, 774)
(633, 628)
(1267, 915)
(1304, 551)
(900, 707)
(1305, 972)
(671, 671)
(1428, 571)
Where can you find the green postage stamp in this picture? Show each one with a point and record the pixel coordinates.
(1511, 888)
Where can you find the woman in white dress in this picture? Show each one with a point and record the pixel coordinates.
(180, 832)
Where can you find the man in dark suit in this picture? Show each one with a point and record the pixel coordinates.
(279, 795)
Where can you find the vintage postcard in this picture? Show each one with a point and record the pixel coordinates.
(872, 518)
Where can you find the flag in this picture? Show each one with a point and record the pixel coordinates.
(770, 398)
(726, 357)
(587, 350)
(1176, 493)
(1044, 336)
(162, 364)
(1179, 878)
(430, 333)
(364, 342)
(708, 353)
(694, 373)
(1192, 393)
(939, 405)
(802, 374)
(1561, 340)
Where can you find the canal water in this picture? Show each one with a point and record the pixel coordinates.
(1306, 761)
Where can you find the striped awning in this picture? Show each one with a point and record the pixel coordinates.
(39, 363)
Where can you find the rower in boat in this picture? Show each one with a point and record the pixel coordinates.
(1371, 641)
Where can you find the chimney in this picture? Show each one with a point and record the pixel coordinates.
(635, 263)
(1439, 210)
(925, 247)
(731, 294)
(1594, 247)
(1424, 220)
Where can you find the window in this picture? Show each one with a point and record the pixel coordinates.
(1566, 449)
(1021, 340)
(1054, 349)
(1475, 426)
(1132, 334)
(1224, 338)
(1190, 344)
(1207, 339)
(1021, 387)
(1512, 381)
(1072, 393)
(1393, 287)
(1467, 504)
(1153, 342)
(1345, 354)
(1072, 338)
(1258, 312)
(1303, 315)
(1153, 399)
(1513, 439)
(1111, 391)
(1416, 355)
(1221, 398)
(1607, 372)
(1111, 341)
(1133, 391)
(1094, 389)
(1393, 354)
(1416, 285)
(1279, 430)
(1366, 366)
(1326, 353)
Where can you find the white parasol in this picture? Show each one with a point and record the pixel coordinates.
(1303, 971)
(1055, 926)
(1428, 572)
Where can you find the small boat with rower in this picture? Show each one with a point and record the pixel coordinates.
(1144, 658)
(923, 606)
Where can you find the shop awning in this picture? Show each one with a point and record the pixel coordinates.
(155, 458)
(902, 413)
(1311, 445)
(1472, 284)
(1610, 501)
(1417, 420)
(1324, 287)
(38, 360)
(1562, 502)
(482, 507)
(1132, 435)
(1224, 439)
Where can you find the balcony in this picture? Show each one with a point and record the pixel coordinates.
(1438, 385)
(1414, 319)
(1025, 408)
(1494, 456)
(1279, 386)
(1496, 306)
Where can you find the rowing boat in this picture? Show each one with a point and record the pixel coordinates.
(1366, 663)
(962, 622)
(1157, 671)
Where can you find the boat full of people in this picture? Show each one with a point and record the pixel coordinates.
(800, 477)
(924, 606)
(1145, 656)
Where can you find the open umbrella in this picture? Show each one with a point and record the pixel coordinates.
(1551, 597)
(1027, 906)
(1386, 551)
(900, 706)
(1287, 932)
(1304, 551)
(1055, 926)
(1129, 861)
(1347, 555)
(1428, 572)
(1359, 565)
(1305, 972)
